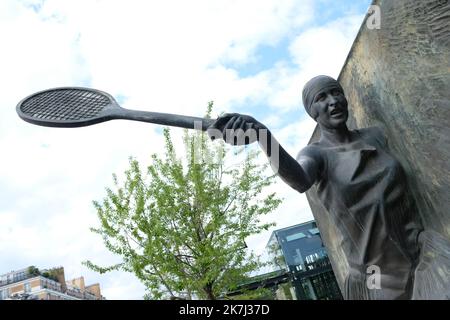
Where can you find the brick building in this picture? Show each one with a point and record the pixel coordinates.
(34, 284)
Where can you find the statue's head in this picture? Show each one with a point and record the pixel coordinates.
(324, 100)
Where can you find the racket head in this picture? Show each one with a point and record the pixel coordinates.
(67, 107)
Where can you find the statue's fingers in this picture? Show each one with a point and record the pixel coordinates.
(230, 115)
(237, 124)
(230, 122)
(239, 132)
(226, 129)
(221, 121)
(243, 125)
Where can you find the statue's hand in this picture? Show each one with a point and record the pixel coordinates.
(235, 129)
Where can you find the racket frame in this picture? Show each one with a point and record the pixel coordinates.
(113, 111)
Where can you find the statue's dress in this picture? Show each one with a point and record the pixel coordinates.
(364, 189)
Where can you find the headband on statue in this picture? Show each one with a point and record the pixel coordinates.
(313, 87)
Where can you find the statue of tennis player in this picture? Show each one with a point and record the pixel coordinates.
(358, 181)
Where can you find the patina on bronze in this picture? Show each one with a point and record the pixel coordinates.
(363, 188)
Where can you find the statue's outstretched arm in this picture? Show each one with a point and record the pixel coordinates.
(238, 129)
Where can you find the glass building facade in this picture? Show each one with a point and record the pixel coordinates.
(299, 251)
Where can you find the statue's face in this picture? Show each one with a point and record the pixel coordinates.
(330, 108)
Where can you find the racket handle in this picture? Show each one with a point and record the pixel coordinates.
(166, 119)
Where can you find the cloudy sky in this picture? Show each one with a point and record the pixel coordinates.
(248, 56)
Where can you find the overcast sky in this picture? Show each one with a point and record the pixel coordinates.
(248, 56)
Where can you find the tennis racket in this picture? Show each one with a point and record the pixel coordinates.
(69, 107)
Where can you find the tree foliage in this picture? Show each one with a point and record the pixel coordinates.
(180, 226)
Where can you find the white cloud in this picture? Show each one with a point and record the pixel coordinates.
(317, 50)
(324, 49)
(170, 56)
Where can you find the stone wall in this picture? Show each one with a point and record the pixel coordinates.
(398, 77)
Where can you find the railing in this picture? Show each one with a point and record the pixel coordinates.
(51, 284)
(74, 293)
(16, 278)
(89, 296)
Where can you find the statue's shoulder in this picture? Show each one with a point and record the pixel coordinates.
(373, 133)
(313, 150)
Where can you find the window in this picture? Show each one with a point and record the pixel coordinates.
(27, 287)
(19, 276)
(5, 293)
(295, 236)
(314, 231)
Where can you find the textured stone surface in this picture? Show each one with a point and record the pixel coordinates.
(398, 77)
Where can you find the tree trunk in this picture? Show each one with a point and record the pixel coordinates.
(209, 292)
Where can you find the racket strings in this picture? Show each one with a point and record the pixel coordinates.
(65, 104)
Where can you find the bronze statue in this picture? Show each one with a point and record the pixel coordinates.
(360, 183)
(362, 186)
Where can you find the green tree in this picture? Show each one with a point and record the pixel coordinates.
(181, 226)
(33, 271)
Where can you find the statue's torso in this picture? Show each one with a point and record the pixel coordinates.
(363, 188)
